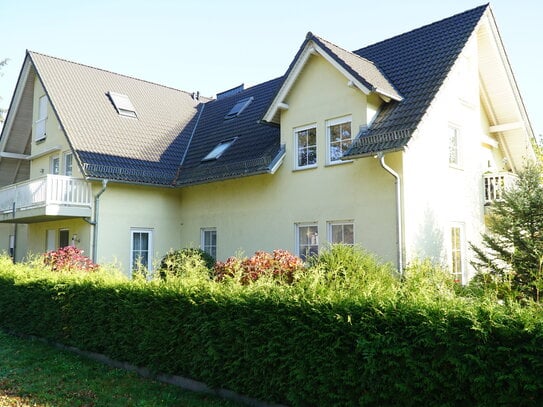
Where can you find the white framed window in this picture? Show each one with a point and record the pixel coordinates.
(208, 237)
(54, 165)
(50, 240)
(141, 248)
(457, 251)
(68, 163)
(341, 232)
(11, 246)
(339, 138)
(305, 145)
(41, 122)
(455, 146)
(307, 240)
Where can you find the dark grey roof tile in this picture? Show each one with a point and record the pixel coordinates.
(417, 63)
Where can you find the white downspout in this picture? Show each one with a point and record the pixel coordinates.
(94, 222)
(381, 158)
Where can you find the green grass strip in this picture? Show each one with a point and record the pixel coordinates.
(35, 374)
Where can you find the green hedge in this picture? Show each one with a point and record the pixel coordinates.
(291, 344)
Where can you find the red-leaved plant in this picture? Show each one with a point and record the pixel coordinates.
(68, 258)
(280, 264)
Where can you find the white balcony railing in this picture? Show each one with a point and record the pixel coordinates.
(47, 190)
(495, 184)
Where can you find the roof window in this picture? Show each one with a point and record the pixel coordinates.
(219, 150)
(123, 104)
(238, 108)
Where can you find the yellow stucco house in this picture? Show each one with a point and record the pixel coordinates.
(397, 146)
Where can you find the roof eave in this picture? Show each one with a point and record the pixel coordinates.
(372, 153)
(271, 169)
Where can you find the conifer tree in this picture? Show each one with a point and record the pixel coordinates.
(512, 248)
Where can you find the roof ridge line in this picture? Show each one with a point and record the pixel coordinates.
(486, 5)
(111, 72)
(344, 49)
(352, 53)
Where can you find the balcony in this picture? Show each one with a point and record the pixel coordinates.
(495, 184)
(47, 198)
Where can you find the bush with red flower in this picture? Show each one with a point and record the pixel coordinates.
(279, 265)
(68, 259)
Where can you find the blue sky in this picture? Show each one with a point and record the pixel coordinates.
(213, 45)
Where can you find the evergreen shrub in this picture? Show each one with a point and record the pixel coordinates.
(184, 262)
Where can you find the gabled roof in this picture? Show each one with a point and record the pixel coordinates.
(417, 63)
(361, 72)
(163, 143)
(145, 149)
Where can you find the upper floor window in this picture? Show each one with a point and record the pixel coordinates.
(122, 104)
(41, 122)
(305, 145)
(238, 108)
(338, 132)
(68, 164)
(218, 150)
(455, 152)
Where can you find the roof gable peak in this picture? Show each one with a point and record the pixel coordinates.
(360, 72)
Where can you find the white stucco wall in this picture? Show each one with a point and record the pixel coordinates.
(436, 194)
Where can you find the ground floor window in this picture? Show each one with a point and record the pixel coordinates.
(307, 240)
(341, 232)
(209, 241)
(63, 238)
(141, 249)
(11, 246)
(457, 253)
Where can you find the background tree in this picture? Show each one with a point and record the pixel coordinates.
(512, 252)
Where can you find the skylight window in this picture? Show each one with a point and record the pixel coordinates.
(123, 104)
(219, 150)
(238, 108)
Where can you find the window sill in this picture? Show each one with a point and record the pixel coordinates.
(338, 162)
(305, 168)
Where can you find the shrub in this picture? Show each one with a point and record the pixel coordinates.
(67, 259)
(178, 263)
(280, 265)
(350, 268)
(425, 281)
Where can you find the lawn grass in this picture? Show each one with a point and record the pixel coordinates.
(33, 373)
